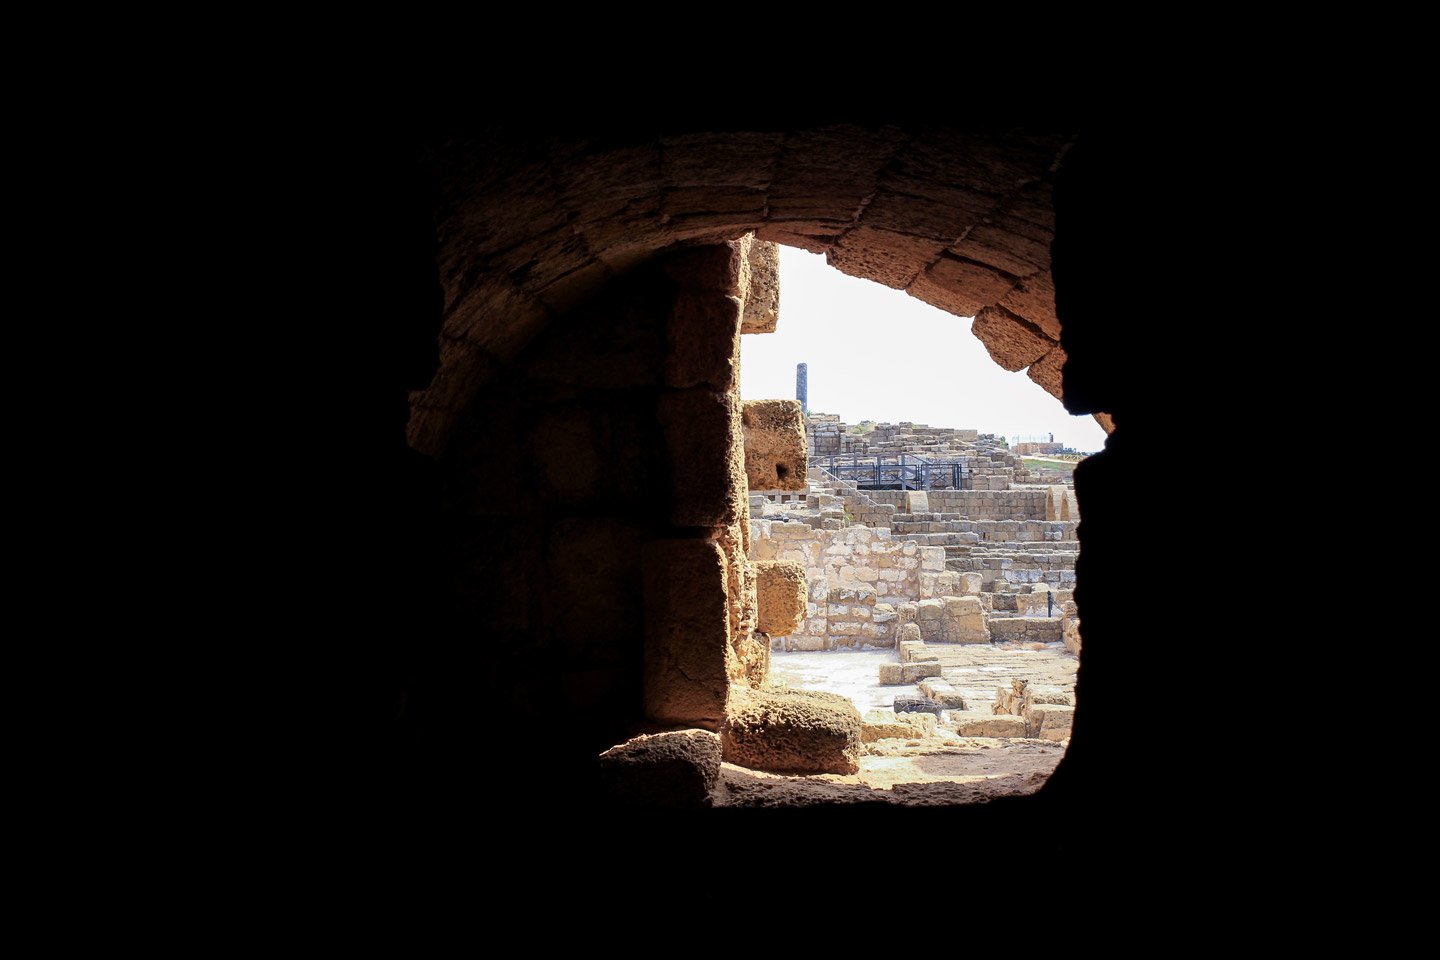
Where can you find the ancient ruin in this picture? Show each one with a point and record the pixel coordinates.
(537, 506)
(937, 544)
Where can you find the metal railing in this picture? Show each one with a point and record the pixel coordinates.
(903, 472)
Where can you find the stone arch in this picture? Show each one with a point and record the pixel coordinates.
(514, 256)
(527, 230)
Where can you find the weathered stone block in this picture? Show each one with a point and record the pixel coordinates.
(987, 725)
(686, 632)
(965, 620)
(916, 671)
(796, 731)
(675, 770)
(929, 610)
(892, 674)
(1037, 603)
(762, 287)
(943, 693)
(1045, 693)
(883, 724)
(703, 341)
(913, 650)
(774, 444)
(780, 595)
(706, 458)
(1007, 628)
(1048, 721)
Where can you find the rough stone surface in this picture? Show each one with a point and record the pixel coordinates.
(919, 670)
(796, 731)
(1048, 372)
(886, 724)
(1070, 630)
(1012, 342)
(553, 226)
(702, 429)
(774, 444)
(762, 299)
(1048, 721)
(992, 725)
(675, 770)
(780, 595)
(703, 340)
(965, 621)
(944, 693)
(686, 632)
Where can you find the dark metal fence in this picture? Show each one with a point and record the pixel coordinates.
(903, 472)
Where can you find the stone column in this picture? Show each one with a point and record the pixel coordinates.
(802, 383)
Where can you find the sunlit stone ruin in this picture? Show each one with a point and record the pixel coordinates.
(929, 558)
(580, 576)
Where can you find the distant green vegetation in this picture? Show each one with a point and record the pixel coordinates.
(1055, 465)
(863, 427)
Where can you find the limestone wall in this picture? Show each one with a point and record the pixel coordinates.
(940, 532)
(551, 479)
(977, 504)
(1019, 572)
(856, 578)
(774, 444)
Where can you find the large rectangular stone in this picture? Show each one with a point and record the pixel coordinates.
(929, 610)
(780, 596)
(1048, 721)
(761, 282)
(687, 632)
(706, 457)
(987, 725)
(703, 341)
(774, 444)
(943, 693)
(917, 671)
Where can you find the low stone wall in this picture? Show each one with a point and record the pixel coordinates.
(1026, 629)
(865, 510)
(978, 504)
(856, 578)
(1019, 571)
(954, 531)
(950, 620)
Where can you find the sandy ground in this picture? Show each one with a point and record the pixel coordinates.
(944, 769)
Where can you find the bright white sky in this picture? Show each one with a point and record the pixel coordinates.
(880, 354)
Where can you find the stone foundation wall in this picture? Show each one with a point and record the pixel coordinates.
(551, 479)
(954, 532)
(856, 578)
(1018, 572)
(976, 504)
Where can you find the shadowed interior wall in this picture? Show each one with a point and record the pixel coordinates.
(529, 229)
